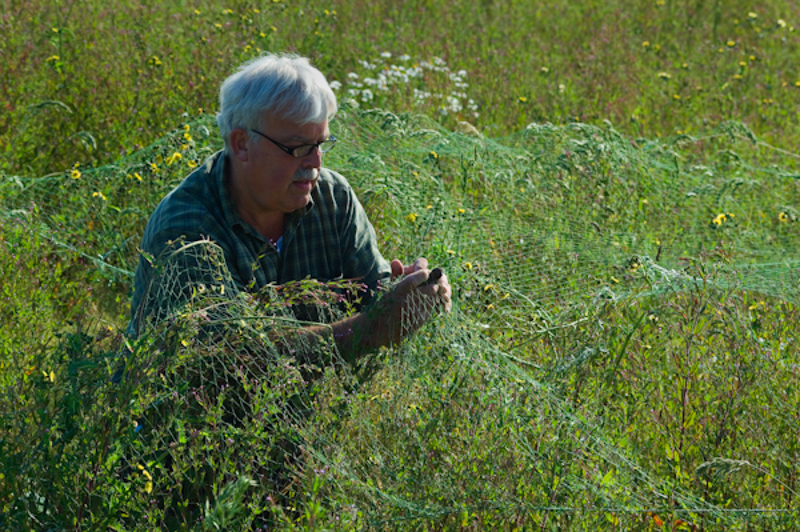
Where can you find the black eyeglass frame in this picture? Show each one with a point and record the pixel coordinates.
(303, 149)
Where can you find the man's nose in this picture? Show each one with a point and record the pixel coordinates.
(313, 159)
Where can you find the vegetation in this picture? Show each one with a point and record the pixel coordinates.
(611, 187)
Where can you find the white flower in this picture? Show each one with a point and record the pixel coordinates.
(352, 75)
(366, 95)
(405, 57)
(386, 55)
(335, 85)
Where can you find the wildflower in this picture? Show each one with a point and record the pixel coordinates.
(488, 287)
(544, 70)
(429, 206)
(523, 99)
(335, 85)
(154, 61)
(751, 15)
(781, 23)
(752, 58)
(386, 55)
(467, 265)
(154, 167)
(797, 83)
(664, 75)
(76, 174)
(461, 211)
(731, 44)
(783, 217)
(719, 219)
(411, 217)
(52, 58)
(100, 195)
(137, 176)
(645, 43)
(434, 155)
(175, 157)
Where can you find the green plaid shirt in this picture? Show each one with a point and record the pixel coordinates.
(329, 239)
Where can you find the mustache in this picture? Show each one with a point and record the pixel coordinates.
(306, 174)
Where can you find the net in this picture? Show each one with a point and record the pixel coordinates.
(621, 352)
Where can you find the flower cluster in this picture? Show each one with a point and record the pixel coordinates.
(382, 76)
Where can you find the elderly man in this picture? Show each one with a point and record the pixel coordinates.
(278, 215)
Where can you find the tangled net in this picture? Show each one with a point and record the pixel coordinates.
(523, 407)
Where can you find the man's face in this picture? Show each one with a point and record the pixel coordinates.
(274, 181)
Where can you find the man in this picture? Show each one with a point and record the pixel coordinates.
(278, 216)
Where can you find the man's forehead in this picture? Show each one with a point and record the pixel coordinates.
(291, 130)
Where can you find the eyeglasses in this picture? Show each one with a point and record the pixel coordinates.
(303, 150)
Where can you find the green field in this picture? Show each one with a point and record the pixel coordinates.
(612, 188)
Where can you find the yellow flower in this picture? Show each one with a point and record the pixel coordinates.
(664, 75)
(99, 194)
(191, 164)
(461, 211)
(76, 174)
(411, 217)
(646, 43)
(523, 99)
(52, 58)
(154, 167)
(781, 23)
(467, 265)
(175, 157)
(720, 218)
(731, 44)
(752, 15)
(148, 486)
(676, 97)
(137, 176)
(434, 155)
(797, 83)
(783, 217)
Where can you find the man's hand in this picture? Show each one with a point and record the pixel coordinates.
(399, 313)
(441, 291)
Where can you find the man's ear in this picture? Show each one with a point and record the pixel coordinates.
(239, 144)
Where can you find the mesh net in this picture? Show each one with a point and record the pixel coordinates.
(619, 326)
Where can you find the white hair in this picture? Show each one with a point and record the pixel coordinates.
(284, 85)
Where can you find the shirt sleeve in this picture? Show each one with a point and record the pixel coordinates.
(362, 258)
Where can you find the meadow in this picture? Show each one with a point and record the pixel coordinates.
(612, 188)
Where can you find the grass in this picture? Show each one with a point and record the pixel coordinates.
(611, 188)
